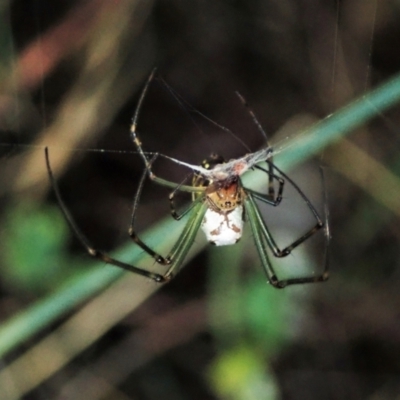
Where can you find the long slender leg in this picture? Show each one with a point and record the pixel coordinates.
(253, 116)
(135, 137)
(174, 213)
(270, 197)
(138, 143)
(274, 247)
(135, 118)
(268, 236)
(260, 243)
(271, 194)
(319, 224)
(186, 239)
(176, 254)
(270, 240)
(100, 255)
(138, 193)
(264, 240)
(132, 233)
(271, 189)
(171, 197)
(324, 276)
(183, 244)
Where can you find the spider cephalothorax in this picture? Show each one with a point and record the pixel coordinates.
(225, 196)
(222, 195)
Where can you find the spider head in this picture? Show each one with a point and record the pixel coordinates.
(208, 163)
(212, 161)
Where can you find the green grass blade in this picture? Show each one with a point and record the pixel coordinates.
(86, 285)
(339, 124)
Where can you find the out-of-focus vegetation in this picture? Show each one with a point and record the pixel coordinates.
(69, 78)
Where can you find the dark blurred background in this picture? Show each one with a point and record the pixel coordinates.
(70, 76)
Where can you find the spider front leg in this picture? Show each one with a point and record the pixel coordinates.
(270, 172)
(131, 231)
(135, 138)
(270, 197)
(271, 187)
(137, 142)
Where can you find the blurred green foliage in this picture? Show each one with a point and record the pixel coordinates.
(251, 322)
(241, 374)
(35, 249)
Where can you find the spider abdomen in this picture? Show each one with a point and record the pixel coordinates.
(223, 228)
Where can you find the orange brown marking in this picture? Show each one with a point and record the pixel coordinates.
(235, 228)
(216, 232)
(225, 198)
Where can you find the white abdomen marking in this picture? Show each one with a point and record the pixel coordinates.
(223, 229)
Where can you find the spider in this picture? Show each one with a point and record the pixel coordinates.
(220, 203)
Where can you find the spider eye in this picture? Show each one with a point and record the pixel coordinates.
(212, 161)
(205, 163)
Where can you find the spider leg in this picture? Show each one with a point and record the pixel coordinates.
(270, 197)
(132, 233)
(135, 137)
(171, 197)
(265, 241)
(260, 241)
(186, 239)
(267, 234)
(135, 118)
(324, 276)
(148, 162)
(253, 116)
(183, 244)
(100, 255)
(319, 223)
(271, 189)
(176, 254)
